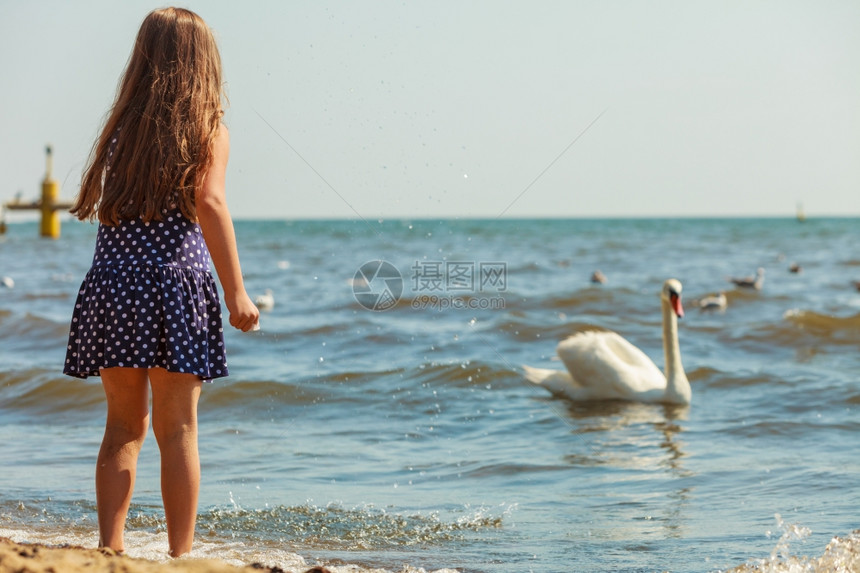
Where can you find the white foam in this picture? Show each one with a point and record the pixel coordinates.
(841, 554)
(153, 547)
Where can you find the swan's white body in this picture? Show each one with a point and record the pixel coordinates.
(605, 366)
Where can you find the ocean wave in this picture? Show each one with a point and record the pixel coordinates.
(492, 471)
(337, 528)
(62, 295)
(842, 554)
(332, 527)
(454, 373)
(745, 380)
(27, 329)
(598, 300)
(250, 395)
(840, 329)
(273, 537)
(784, 429)
(40, 392)
(799, 329)
(462, 374)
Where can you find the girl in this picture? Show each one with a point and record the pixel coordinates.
(148, 314)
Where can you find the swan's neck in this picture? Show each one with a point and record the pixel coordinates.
(677, 385)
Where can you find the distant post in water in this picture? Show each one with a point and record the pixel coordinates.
(50, 226)
(48, 204)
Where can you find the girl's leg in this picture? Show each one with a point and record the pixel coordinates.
(127, 394)
(174, 421)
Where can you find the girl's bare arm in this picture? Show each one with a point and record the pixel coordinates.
(217, 227)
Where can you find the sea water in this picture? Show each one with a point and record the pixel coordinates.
(380, 417)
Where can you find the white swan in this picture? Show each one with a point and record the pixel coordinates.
(604, 366)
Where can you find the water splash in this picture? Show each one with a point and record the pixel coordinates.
(842, 555)
(790, 532)
(336, 528)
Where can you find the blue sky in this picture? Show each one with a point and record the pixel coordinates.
(476, 109)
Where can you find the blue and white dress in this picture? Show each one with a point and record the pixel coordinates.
(149, 300)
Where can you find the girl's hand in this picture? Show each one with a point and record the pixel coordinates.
(244, 314)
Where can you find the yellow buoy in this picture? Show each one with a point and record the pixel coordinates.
(48, 205)
(50, 226)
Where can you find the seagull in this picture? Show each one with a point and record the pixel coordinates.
(755, 282)
(7, 282)
(714, 302)
(265, 301)
(597, 277)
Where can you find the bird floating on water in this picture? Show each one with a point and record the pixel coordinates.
(265, 301)
(714, 301)
(598, 277)
(605, 366)
(755, 282)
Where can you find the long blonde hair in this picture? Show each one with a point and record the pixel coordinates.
(165, 117)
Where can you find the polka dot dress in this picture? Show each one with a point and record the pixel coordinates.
(149, 300)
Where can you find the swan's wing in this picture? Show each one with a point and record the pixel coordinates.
(557, 382)
(609, 365)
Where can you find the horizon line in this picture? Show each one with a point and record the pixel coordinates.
(66, 217)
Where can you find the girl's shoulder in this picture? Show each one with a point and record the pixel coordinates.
(221, 142)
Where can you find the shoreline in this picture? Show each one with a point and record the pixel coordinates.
(38, 558)
(841, 554)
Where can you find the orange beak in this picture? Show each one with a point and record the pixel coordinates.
(675, 301)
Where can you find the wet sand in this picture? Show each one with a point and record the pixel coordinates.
(37, 558)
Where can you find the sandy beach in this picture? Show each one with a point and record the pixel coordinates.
(841, 554)
(38, 558)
